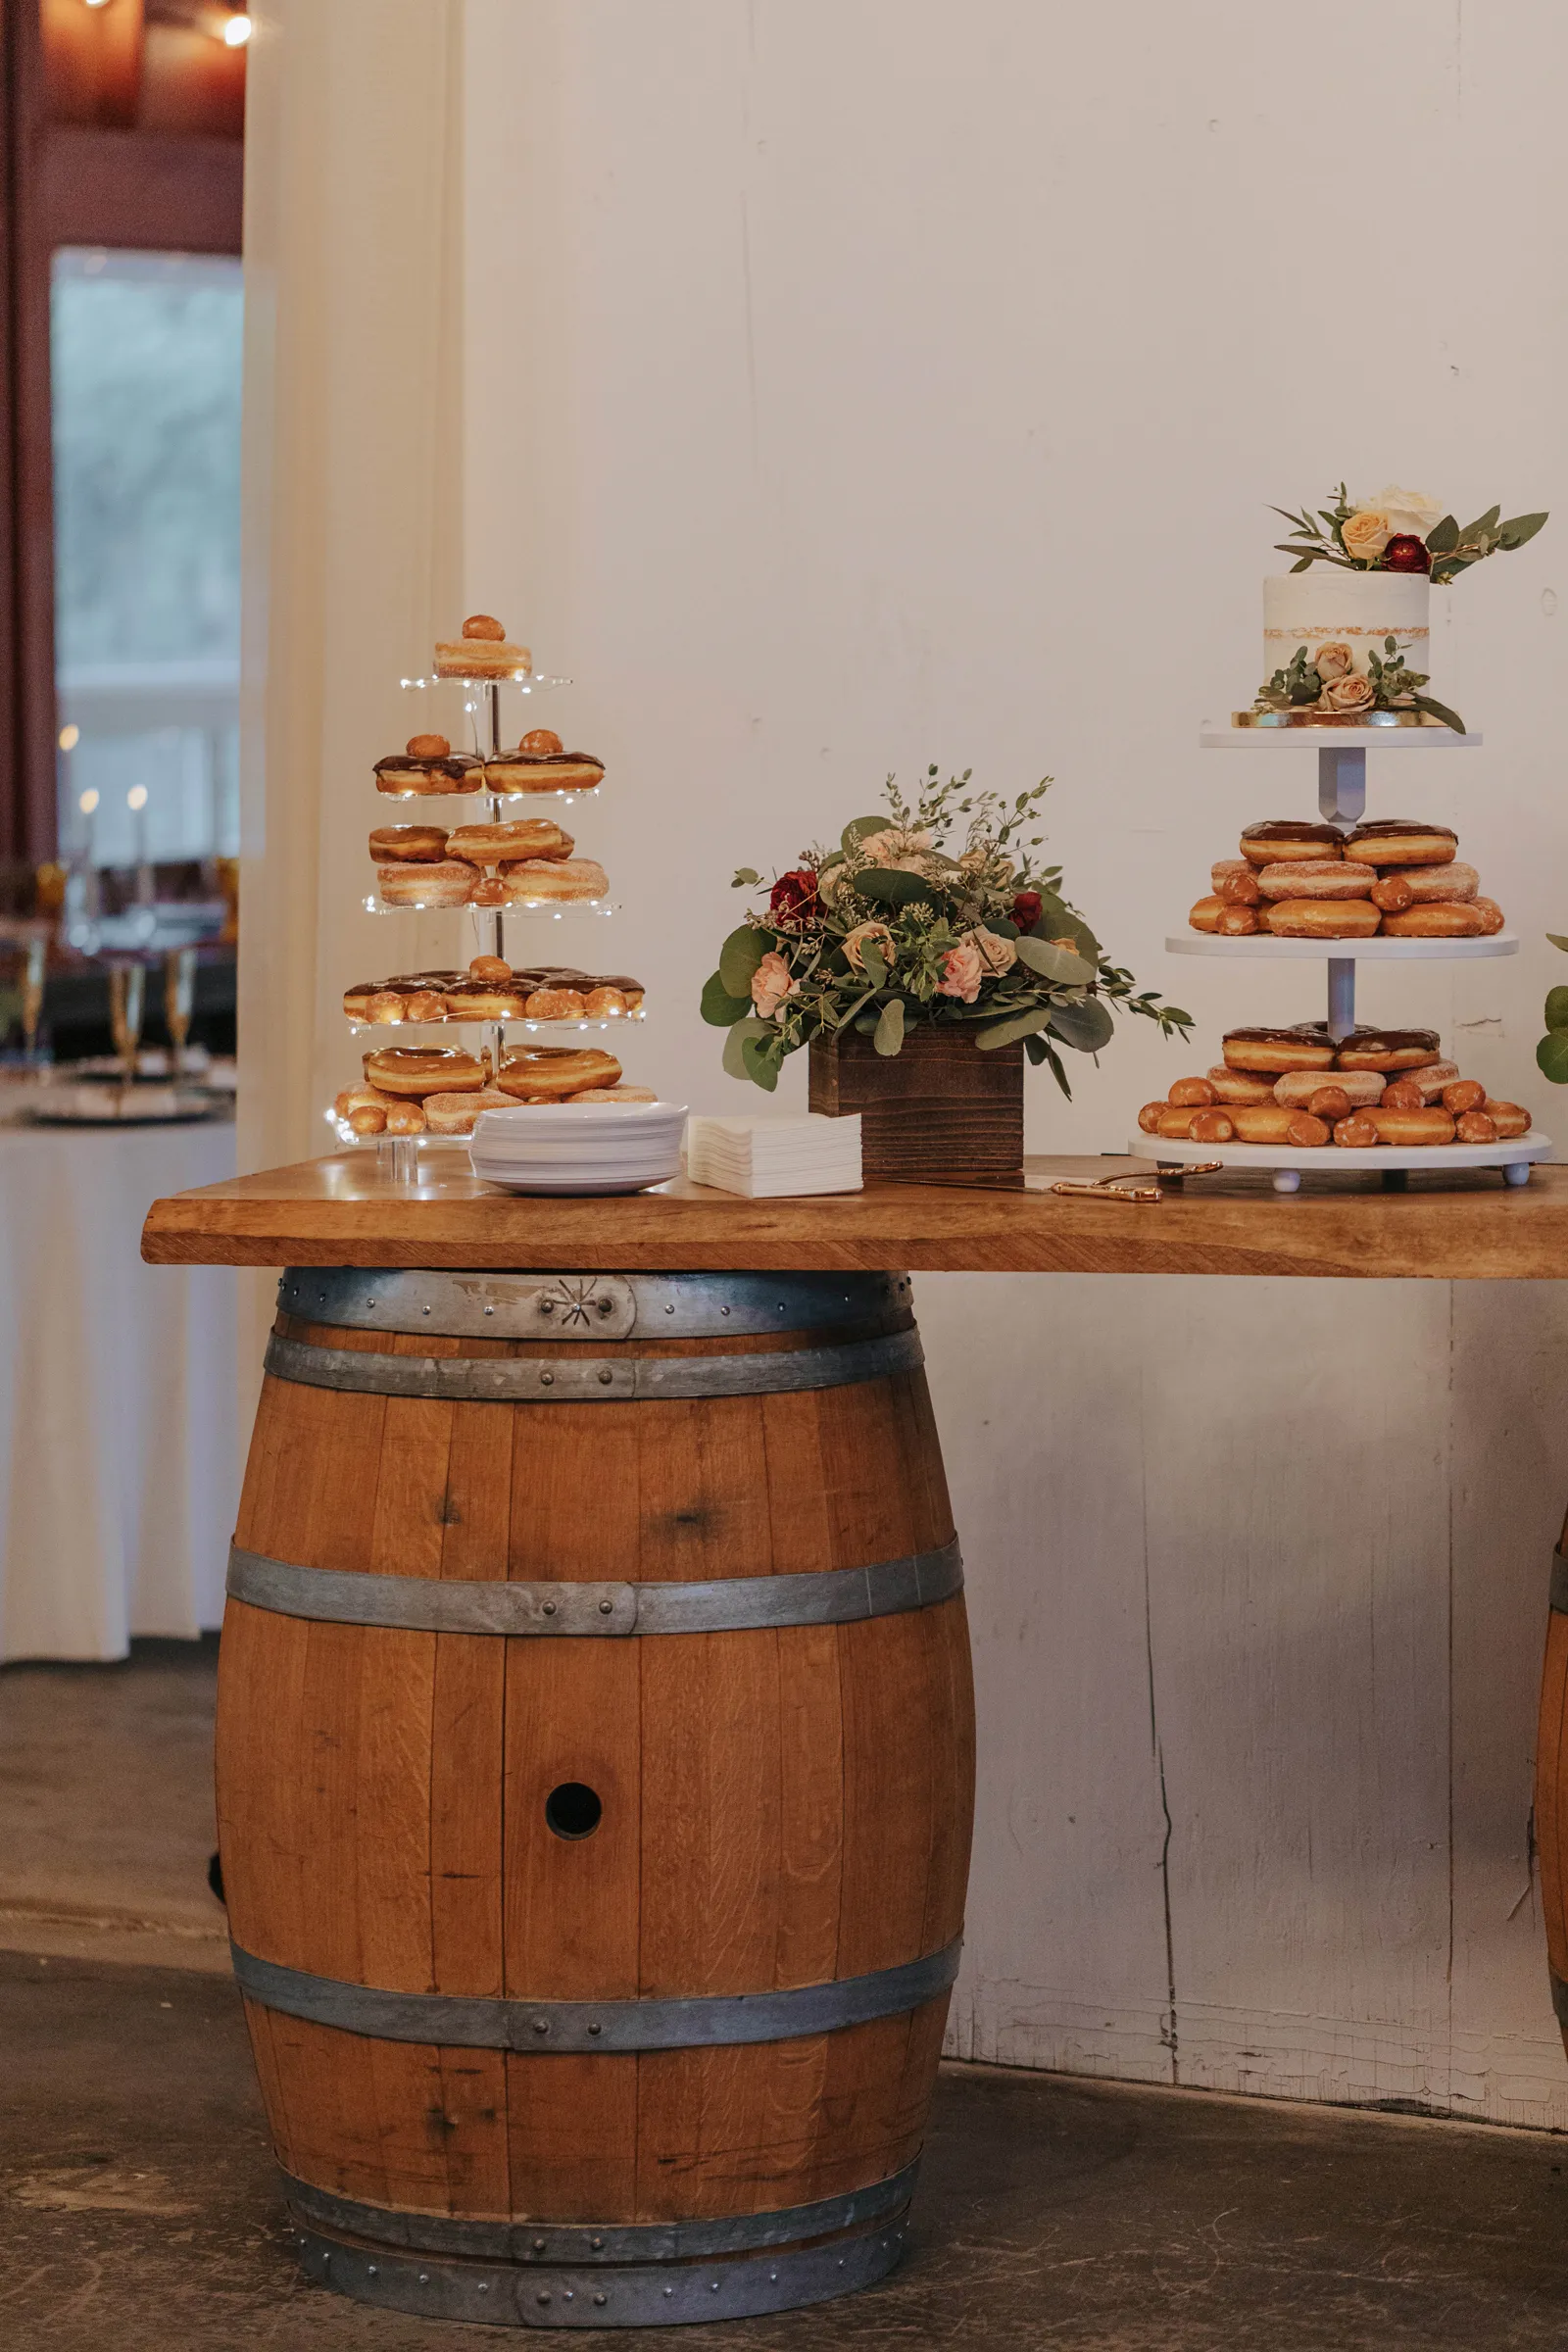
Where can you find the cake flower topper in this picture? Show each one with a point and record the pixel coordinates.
(888, 929)
(1399, 530)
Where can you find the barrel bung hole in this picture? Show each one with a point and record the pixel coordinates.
(572, 1810)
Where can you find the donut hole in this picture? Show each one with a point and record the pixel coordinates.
(574, 1810)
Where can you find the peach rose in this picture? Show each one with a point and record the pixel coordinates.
(897, 846)
(1366, 534)
(855, 941)
(1348, 694)
(771, 984)
(1332, 661)
(962, 972)
(997, 954)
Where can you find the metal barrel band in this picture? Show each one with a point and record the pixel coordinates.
(543, 1305)
(579, 1611)
(1559, 1999)
(459, 2021)
(641, 2295)
(532, 2243)
(1558, 1595)
(593, 1380)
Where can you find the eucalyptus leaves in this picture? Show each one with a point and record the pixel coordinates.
(889, 929)
(1399, 530)
(1552, 1055)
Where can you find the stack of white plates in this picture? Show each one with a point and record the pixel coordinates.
(579, 1148)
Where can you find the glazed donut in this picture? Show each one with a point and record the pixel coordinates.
(360, 1098)
(543, 742)
(1238, 922)
(413, 1072)
(1442, 922)
(1454, 883)
(615, 1094)
(1492, 916)
(1211, 1127)
(456, 1114)
(1240, 1086)
(1204, 916)
(1362, 1048)
(559, 878)
(555, 1004)
(1357, 1133)
(497, 845)
(481, 652)
(1464, 1093)
(1429, 1081)
(1192, 1094)
(1235, 881)
(427, 766)
(1328, 1103)
(1475, 1127)
(405, 1118)
(554, 1071)
(1429, 1125)
(448, 884)
(1150, 1116)
(484, 1001)
(1306, 1047)
(1392, 893)
(606, 1003)
(1400, 1094)
(489, 968)
(424, 1004)
(1297, 1088)
(1316, 878)
(1178, 1122)
(1400, 841)
(422, 845)
(1278, 1123)
(1323, 919)
(367, 1120)
(1283, 837)
(488, 890)
(385, 1006)
(1507, 1117)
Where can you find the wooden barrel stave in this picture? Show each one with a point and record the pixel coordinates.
(759, 1876)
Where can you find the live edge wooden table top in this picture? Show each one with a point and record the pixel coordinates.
(337, 1211)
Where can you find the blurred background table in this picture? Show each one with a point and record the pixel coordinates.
(118, 1450)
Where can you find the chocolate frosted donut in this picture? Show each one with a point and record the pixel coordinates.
(1305, 1047)
(1400, 841)
(1283, 837)
(1388, 1048)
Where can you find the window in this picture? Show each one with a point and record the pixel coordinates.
(145, 358)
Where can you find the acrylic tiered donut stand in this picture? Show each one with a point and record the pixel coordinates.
(1342, 800)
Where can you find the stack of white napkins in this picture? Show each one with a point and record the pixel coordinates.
(771, 1158)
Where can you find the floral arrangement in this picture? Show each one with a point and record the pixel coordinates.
(1398, 530)
(1327, 682)
(890, 929)
(1552, 1055)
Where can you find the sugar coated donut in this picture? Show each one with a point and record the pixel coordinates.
(1400, 841)
(1240, 1086)
(1306, 1047)
(500, 843)
(1430, 1080)
(456, 1114)
(1192, 1094)
(1492, 916)
(615, 1094)
(1235, 881)
(1442, 922)
(553, 1072)
(1283, 837)
(1430, 1124)
(448, 884)
(422, 845)
(1507, 1117)
(1364, 1049)
(1454, 882)
(1297, 1088)
(556, 878)
(1323, 919)
(1316, 878)
(419, 1071)
(1205, 916)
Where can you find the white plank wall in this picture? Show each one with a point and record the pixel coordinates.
(852, 384)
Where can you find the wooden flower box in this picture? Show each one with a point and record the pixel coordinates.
(939, 1112)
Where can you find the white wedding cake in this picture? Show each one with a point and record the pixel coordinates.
(1357, 609)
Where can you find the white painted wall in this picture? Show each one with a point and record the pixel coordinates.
(852, 384)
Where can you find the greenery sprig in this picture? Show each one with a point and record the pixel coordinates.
(1359, 536)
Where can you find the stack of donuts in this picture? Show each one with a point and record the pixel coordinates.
(1305, 1088)
(429, 767)
(491, 990)
(524, 862)
(441, 1090)
(1392, 877)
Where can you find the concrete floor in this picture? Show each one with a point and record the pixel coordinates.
(138, 2210)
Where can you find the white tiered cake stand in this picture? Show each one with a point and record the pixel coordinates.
(1342, 798)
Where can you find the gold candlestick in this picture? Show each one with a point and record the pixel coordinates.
(179, 998)
(126, 985)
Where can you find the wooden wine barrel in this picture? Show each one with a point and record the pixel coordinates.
(594, 1769)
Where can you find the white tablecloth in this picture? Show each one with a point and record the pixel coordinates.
(118, 1450)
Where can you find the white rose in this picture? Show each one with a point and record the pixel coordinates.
(1407, 513)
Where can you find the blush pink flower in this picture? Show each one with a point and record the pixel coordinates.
(962, 971)
(770, 984)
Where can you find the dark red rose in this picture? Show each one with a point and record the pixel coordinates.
(794, 895)
(1406, 553)
(1026, 910)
